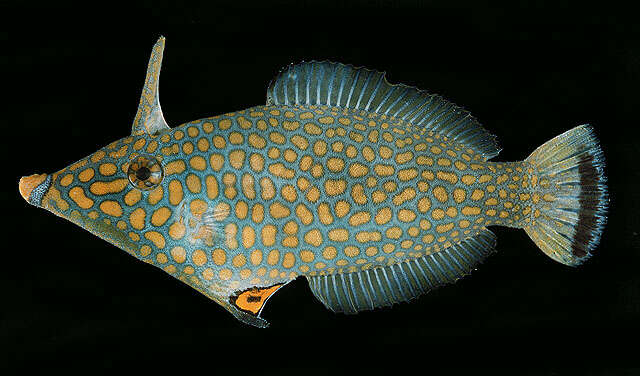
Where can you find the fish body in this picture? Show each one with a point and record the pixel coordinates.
(376, 193)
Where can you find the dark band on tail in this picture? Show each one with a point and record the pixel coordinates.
(593, 201)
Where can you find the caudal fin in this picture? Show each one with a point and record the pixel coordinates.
(570, 196)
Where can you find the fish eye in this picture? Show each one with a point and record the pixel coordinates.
(145, 172)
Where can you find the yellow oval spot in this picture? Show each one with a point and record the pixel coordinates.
(193, 183)
(160, 216)
(383, 216)
(305, 215)
(269, 235)
(306, 256)
(268, 189)
(177, 230)
(248, 237)
(335, 187)
(342, 208)
(155, 195)
(219, 256)
(175, 167)
(156, 238)
(351, 251)
(137, 218)
(404, 157)
(468, 179)
(394, 232)
(491, 201)
(289, 193)
(359, 218)
(383, 170)
(444, 228)
(66, 180)
(78, 196)
(335, 164)
(330, 253)
(471, 210)
(407, 174)
(107, 169)
(86, 175)
(313, 237)
(288, 260)
(198, 163)
(406, 215)
(324, 214)
(440, 194)
(257, 213)
(357, 193)
(339, 235)
(175, 192)
(102, 188)
(312, 129)
(477, 194)
(111, 208)
(447, 176)
(236, 159)
(277, 210)
(300, 142)
(179, 254)
(238, 260)
(424, 204)
(256, 257)
(313, 194)
(437, 214)
(404, 196)
(378, 196)
(98, 156)
(273, 257)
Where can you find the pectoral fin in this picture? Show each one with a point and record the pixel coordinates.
(149, 118)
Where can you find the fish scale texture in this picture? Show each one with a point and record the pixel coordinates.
(268, 193)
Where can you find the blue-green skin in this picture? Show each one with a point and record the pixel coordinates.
(219, 289)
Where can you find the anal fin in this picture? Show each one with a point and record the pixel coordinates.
(384, 286)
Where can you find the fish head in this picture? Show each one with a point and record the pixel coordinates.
(101, 192)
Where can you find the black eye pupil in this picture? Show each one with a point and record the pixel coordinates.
(143, 173)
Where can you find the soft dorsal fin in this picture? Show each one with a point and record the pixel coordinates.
(149, 118)
(345, 86)
(401, 282)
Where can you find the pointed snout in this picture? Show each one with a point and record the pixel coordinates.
(32, 188)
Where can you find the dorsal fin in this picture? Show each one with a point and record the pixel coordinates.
(401, 282)
(149, 118)
(345, 86)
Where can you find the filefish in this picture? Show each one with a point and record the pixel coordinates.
(376, 193)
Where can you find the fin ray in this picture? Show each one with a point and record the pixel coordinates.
(567, 225)
(384, 286)
(345, 86)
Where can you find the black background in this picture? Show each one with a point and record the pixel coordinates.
(528, 70)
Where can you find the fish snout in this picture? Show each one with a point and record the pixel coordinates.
(33, 188)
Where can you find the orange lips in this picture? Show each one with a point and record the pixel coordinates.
(28, 183)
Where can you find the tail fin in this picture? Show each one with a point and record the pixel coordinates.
(570, 196)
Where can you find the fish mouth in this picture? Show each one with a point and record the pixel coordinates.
(34, 187)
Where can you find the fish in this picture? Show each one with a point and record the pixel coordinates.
(374, 192)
